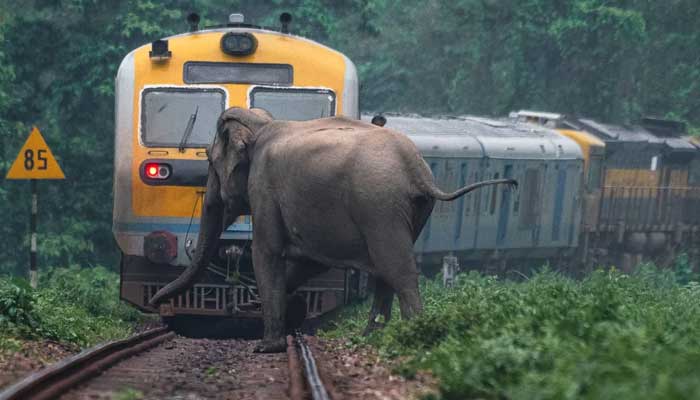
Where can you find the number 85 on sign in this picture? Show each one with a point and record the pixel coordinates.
(35, 160)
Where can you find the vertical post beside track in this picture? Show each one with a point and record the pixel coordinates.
(33, 278)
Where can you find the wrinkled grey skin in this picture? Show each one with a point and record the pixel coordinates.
(328, 192)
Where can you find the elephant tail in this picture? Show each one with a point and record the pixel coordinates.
(438, 194)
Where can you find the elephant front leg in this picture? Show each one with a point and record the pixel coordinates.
(270, 276)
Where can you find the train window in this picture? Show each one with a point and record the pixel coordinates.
(167, 112)
(531, 202)
(447, 183)
(469, 198)
(462, 183)
(223, 72)
(294, 104)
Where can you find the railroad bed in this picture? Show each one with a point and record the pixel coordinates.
(165, 366)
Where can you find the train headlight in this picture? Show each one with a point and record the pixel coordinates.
(238, 44)
(159, 51)
(156, 171)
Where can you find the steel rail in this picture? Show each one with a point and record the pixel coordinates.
(316, 387)
(56, 379)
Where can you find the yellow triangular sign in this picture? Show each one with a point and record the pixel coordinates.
(35, 160)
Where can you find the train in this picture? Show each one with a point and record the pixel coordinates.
(642, 198)
(590, 193)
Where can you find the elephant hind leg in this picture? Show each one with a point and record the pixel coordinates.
(300, 271)
(383, 300)
(391, 252)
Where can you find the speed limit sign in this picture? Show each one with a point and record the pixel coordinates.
(34, 161)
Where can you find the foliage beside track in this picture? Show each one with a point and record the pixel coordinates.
(609, 336)
(71, 305)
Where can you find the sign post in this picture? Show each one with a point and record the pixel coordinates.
(34, 161)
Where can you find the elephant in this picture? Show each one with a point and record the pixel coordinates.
(330, 192)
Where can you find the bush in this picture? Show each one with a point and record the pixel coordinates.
(94, 289)
(17, 307)
(71, 305)
(609, 336)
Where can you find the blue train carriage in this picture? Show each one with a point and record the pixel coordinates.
(169, 95)
(494, 227)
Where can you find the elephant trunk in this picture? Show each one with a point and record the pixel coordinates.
(210, 228)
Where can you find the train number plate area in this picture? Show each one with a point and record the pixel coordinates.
(219, 72)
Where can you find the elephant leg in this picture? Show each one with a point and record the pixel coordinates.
(298, 273)
(383, 300)
(269, 267)
(391, 253)
(270, 276)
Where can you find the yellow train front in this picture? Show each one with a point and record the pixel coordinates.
(168, 96)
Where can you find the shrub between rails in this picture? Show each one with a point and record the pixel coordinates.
(72, 305)
(609, 336)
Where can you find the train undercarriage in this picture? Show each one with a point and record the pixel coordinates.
(228, 291)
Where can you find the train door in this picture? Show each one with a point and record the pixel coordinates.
(559, 194)
(531, 202)
(504, 212)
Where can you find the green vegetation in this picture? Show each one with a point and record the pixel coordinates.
(128, 394)
(609, 60)
(71, 305)
(609, 336)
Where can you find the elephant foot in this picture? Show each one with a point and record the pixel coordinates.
(272, 346)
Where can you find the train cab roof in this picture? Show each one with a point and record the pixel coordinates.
(669, 140)
(655, 132)
(694, 140)
(478, 137)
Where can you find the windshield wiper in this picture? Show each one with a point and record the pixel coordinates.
(188, 130)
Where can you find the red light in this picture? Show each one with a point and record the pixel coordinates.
(152, 170)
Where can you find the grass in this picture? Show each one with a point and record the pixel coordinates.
(128, 394)
(71, 305)
(609, 336)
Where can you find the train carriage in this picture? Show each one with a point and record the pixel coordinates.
(169, 95)
(495, 226)
(646, 203)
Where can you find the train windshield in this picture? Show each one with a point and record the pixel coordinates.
(294, 104)
(166, 114)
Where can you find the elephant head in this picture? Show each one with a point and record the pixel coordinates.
(226, 197)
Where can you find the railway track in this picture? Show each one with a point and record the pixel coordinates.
(56, 379)
(159, 364)
(317, 384)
